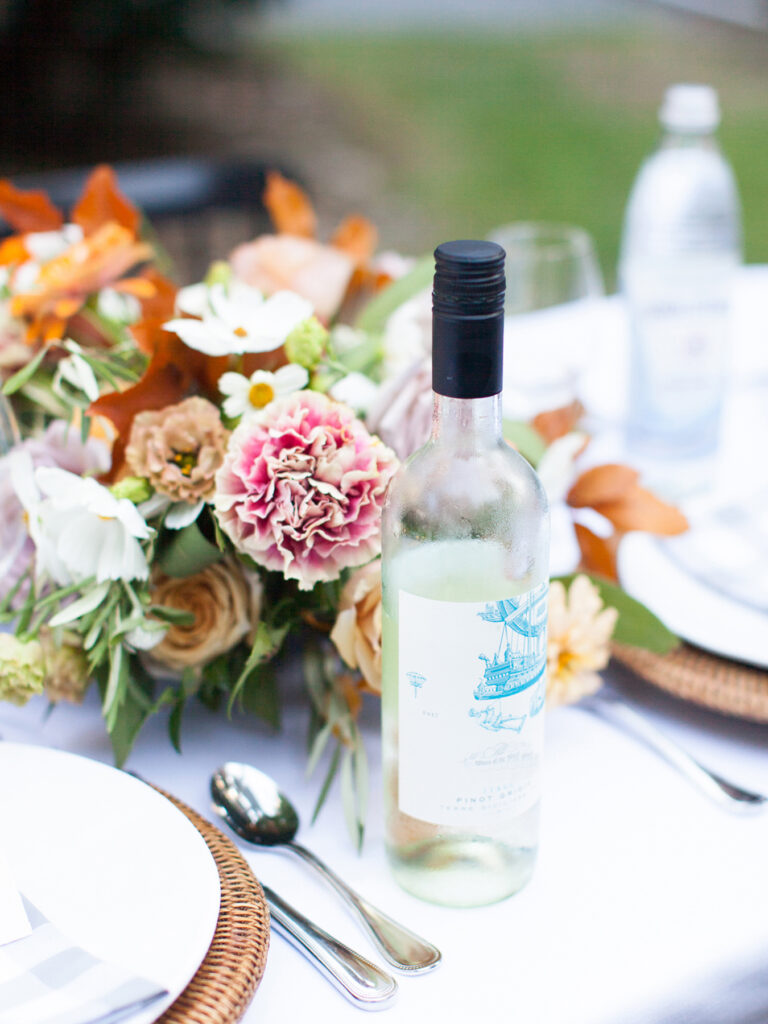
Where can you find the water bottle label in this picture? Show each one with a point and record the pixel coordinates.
(471, 688)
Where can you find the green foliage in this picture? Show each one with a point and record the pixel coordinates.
(636, 626)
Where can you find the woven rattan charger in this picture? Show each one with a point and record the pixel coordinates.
(694, 675)
(229, 975)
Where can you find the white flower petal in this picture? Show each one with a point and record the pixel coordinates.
(290, 378)
(236, 405)
(153, 506)
(76, 371)
(182, 514)
(355, 390)
(142, 639)
(207, 336)
(276, 318)
(193, 299)
(234, 383)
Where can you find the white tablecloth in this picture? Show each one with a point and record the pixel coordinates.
(644, 889)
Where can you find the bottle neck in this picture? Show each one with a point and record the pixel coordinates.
(467, 424)
(676, 139)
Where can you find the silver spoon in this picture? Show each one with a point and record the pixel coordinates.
(362, 982)
(611, 708)
(253, 807)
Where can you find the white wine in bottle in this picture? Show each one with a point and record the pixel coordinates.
(465, 571)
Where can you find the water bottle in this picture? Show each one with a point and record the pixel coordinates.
(680, 248)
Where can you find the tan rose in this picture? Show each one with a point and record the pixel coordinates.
(357, 631)
(226, 603)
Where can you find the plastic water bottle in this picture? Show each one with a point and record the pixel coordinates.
(681, 245)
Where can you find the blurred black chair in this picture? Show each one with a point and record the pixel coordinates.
(200, 209)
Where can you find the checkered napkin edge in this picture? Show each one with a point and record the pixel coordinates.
(44, 979)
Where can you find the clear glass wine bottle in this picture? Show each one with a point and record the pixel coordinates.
(465, 576)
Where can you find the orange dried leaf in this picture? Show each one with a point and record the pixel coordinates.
(13, 250)
(356, 236)
(28, 211)
(639, 509)
(557, 423)
(598, 554)
(139, 287)
(102, 202)
(289, 207)
(600, 484)
(174, 371)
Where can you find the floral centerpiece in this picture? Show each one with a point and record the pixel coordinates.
(203, 469)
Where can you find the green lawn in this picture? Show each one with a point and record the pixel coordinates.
(481, 130)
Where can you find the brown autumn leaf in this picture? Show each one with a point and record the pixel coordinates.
(606, 483)
(598, 554)
(174, 372)
(289, 207)
(356, 236)
(28, 211)
(102, 202)
(639, 509)
(555, 423)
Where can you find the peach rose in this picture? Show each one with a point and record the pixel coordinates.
(357, 631)
(226, 603)
(273, 263)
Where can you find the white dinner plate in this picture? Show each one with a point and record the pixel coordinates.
(691, 609)
(111, 863)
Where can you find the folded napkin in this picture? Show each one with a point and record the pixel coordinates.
(44, 979)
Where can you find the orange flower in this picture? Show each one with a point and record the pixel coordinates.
(65, 282)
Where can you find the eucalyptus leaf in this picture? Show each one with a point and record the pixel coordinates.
(176, 616)
(330, 775)
(260, 696)
(319, 744)
(125, 728)
(348, 798)
(20, 378)
(188, 552)
(528, 441)
(375, 315)
(89, 602)
(636, 626)
(266, 643)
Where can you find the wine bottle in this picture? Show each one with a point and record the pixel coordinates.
(465, 583)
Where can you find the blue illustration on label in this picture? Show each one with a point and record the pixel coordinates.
(417, 680)
(494, 719)
(538, 699)
(518, 661)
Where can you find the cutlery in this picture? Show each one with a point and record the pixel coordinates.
(362, 982)
(611, 708)
(254, 808)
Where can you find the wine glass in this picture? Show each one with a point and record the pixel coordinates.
(553, 282)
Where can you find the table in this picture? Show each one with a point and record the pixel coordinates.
(644, 890)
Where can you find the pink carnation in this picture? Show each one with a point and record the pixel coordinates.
(302, 487)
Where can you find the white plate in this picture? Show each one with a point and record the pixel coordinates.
(694, 611)
(111, 863)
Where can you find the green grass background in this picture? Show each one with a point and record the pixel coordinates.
(482, 129)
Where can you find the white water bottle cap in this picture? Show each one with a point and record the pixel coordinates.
(690, 108)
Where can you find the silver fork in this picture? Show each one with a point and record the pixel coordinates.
(611, 708)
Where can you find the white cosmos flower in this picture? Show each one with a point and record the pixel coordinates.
(80, 529)
(248, 395)
(47, 245)
(237, 319)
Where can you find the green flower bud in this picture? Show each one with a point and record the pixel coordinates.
(134, 488)
(219, 272)
(22, 669)
(306, 343)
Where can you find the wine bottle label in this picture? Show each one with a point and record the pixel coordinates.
(471, 688)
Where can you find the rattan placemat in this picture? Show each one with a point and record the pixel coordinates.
(702, 678)
(231, 971)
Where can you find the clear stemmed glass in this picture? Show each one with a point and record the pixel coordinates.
(553, 280)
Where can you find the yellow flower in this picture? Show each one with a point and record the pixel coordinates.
(578, 640)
